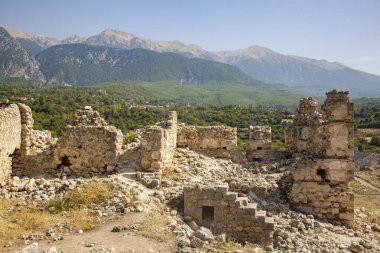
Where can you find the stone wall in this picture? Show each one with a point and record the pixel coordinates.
(89, 146)
(26, 129)
(10, 137)
(159, 143)
(323, 145)
(260, 141)
(303, 134)
(209, 137)
(224, 212)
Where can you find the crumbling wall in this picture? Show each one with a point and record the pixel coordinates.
(10, 137)
(207, 137)
(159, 142)
(222, 211)
(324, 146)
(303, 134)
(260, 141)
(89, 146)
(26, 129)
(39, 159)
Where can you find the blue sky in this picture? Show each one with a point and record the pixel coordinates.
(347, 31)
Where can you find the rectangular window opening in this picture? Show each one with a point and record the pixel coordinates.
(208, 213)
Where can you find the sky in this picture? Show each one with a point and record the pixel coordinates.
(347, 31)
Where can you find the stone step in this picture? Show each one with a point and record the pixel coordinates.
(252, 205)
(269, 223)
(241, 201)
(250, 208)
(261, 215)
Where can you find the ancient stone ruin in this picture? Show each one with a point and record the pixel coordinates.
(260, 141)
(159, 142)
(323, 146)
(215, 207)
(209, 137)
(89, 145)
(320, 143)
(10, 137)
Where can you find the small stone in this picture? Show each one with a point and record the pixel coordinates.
(185, 242)
(193, 225)
(155, 183)
(318, 224)
(196, 242)
(356, 248)
(221, 238)
(139, 209)
(52, 250)
(204, 234)
(118, 228)
(89, 244)
(32, 248)
(295, 223)
(173, 212)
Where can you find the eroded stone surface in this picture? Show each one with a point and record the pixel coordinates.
(324, 144)
(209, 137)
(159, 142)
(10, 137)
(224, 212)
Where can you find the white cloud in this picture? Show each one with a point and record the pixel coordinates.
(362, 59)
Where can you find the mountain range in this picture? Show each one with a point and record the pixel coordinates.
(302, 74)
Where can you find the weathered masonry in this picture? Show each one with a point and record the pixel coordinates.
(10, 137)
(159, 142)
(260, 141)
(222, 211)
(88, 147)
(324, 147)
(207, 137)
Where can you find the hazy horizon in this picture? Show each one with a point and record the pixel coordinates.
(345, 31)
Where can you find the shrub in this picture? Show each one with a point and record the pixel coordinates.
(130, 137)
(91, 193)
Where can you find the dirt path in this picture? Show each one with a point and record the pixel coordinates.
(103, 240)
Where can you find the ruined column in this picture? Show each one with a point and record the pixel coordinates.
(26, 129)
(260, 141)
(303, 134)
(325, 160)
(159, 143)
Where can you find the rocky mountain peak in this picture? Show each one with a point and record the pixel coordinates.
(117, 33)
(16, 63)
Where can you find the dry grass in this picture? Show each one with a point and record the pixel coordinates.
(154, 227)
(91, 193)
(16, 222)
(371, 203)
(80, 219)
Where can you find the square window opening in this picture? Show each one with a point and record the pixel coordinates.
(208, 213)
